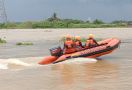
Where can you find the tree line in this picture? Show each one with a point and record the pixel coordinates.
(56, 22)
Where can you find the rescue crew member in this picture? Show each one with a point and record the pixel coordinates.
(69, 45)
(78, 43)
(91, 42)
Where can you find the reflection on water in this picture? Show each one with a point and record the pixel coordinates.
(78, 77)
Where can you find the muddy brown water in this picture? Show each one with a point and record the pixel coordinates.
(111, 72)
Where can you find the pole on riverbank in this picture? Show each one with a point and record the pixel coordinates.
(3, 15)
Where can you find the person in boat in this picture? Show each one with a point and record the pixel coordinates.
(91, 42)
(78, 43)
(69, 45)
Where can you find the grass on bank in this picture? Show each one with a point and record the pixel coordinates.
(24, 43)
(57, 24)
(2, 41)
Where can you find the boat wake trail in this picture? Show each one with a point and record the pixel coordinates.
(79, 61)
(13, 64)
(30, 62)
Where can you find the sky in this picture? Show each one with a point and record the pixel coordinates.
(106, 10)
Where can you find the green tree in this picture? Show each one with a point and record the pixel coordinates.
(118, 22)
(129, 22)
(97, 21)
(2, 25)
(27, 24)
(9, 25)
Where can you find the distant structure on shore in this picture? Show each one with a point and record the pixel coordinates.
(3, 15)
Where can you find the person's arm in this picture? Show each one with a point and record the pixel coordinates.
(74, 45)
(81, 45)
(95, 42)
(64, 46)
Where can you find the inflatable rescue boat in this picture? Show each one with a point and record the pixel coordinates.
(105, 47)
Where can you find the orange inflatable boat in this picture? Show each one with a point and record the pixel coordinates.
(105, 47)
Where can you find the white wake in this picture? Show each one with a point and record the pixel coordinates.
(79, 61)
(13, 64)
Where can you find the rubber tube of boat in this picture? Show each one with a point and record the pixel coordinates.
(47, 60)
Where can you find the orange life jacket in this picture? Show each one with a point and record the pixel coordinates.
(77, 43)
(69, 44)
(89, 43)
(69, 47)
(79, 46)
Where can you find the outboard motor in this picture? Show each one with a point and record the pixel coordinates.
(56, 51)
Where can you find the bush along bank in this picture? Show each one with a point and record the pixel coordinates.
(55, 22)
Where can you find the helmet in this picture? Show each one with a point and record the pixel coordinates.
(77, 37)
(68, 36)
(91, 35)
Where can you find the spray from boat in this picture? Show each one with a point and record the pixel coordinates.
(30, 62)
(13, 63)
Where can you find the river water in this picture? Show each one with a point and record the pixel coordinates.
(20, 71)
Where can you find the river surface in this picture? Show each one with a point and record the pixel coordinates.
(20, 71)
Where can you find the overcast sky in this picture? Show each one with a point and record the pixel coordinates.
(107, 10)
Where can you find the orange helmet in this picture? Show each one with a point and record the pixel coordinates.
(91, 36)
(77, 37)
(68, 36)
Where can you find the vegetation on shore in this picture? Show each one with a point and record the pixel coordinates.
(24, 43)
(2, 41)
(55, 22)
